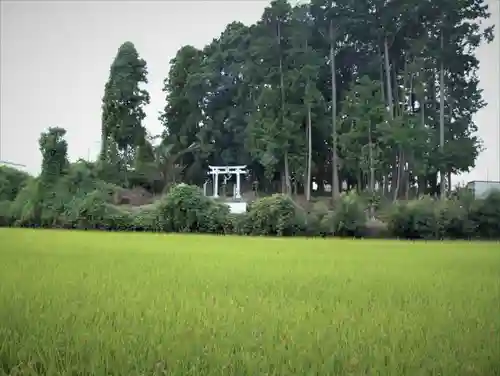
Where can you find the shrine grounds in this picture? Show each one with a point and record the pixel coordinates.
(95, 303)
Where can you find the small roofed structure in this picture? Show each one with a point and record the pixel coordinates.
(482, 188)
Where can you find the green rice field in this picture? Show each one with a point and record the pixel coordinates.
(94, 303)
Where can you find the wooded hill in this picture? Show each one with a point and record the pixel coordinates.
(367, 94)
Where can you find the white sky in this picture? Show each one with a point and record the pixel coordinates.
(55, 59)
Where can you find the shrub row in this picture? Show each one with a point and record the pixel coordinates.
(184, 209)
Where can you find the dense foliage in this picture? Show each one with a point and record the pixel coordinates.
(396, 111)
(185, 209)
(385, 92)
(371, 100)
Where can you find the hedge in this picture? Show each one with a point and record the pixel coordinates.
(185, 209)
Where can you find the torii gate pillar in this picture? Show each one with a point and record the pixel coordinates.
(233, 170)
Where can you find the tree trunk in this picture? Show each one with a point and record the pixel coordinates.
(282, 90)
(441, 120)
(399, 173)
(390, 103)
(126, 167)
(449, 182)
(335, 171)
(309, 153)
(388, 79)
(288, 186)
(422, 185)
(381, 73)
(407, 184)
(372, 168)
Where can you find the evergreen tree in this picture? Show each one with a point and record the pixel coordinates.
(123, 103)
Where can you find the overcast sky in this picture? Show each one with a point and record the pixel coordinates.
(55, 59)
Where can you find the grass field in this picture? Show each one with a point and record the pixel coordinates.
(84, 303)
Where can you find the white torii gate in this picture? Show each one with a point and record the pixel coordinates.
(215, 171)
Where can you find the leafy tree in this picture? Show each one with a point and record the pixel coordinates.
(54, 149)
(226, 104)
(12, 181)
(364, 130)
(123, 103)
(182, 116)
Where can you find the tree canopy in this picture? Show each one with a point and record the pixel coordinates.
(368, 95)
(397, 110)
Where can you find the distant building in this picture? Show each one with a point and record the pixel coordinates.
(482, 188)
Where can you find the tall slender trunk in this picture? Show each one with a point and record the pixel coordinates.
(407, 184)
(372, 168)
(282, 90)
(335, 171)
(126, 152)
(423, 103)
(422, 185)
(390, 103)
(381, 74)
(388, 79)
(404, 166)
(449, 182)
(441, 119)
(309, 134)
(383, 98)
(448, 168)
(309, 152)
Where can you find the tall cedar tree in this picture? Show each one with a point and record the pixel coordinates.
(124, 101)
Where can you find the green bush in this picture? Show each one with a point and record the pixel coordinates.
(376, 228)
(216, 219)
(25, 208)
(453, 220)
(486, 215)
(78, 199)
(304, 223)
(272, 215)
(120, 220)
(320, 209)
(414, 219)
(90, 212)
(5, 213)
(12, 181)
(316, 222)
(238, 223)
(348, 217)
(186, 209)
(372, 200)
(147, 219)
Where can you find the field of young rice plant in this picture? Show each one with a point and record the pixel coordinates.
(91, 303)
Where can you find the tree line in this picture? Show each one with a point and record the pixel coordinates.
(364, 95)
(367, 95)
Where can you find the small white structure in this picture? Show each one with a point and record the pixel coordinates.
(215, 171)
(481, 189)
(237, 207)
